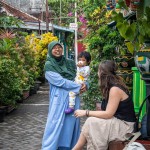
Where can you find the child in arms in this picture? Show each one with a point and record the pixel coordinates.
(83, 72)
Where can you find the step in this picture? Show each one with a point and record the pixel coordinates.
(42, 92)
(44, 88)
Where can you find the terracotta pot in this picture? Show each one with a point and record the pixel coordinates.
(25, 94)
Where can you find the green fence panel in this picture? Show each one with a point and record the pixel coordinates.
(142, 96)
(136, 88)
(139, 91)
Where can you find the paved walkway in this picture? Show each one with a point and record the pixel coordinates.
(23, 128)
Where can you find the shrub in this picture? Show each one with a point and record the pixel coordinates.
(101, 43)
(10, 69)
(40, 46)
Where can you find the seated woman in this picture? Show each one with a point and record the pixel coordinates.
(117, 116)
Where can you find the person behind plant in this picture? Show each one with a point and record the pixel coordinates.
(61, 131)
(83, 72)
(117, 117)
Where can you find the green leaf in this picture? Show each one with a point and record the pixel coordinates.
(118, 17)
(131, 32)
(141, 39)
(148, 30)
(122, 27)
(130, 47)
(147, 10)
(141, 31)
(122, 4)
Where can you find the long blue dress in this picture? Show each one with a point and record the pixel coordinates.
(62, 130)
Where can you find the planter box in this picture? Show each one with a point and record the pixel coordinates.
(37, 85)
(25, 94)
(2, 113)
(33, 90)
(9, 109)
(20, 100)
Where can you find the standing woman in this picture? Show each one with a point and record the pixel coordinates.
(62, 130)
(117, 116)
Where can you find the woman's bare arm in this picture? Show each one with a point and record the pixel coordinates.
(115, 96)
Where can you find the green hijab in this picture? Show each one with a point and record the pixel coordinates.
(65, 67)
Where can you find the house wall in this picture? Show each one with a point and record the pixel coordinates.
(27, 5)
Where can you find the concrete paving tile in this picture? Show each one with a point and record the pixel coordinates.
(24, 127)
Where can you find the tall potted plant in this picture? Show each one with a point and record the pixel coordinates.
(10, 67)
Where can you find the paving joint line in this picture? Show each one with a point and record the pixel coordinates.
(36, 104)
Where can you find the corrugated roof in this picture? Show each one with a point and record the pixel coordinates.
(18, 13)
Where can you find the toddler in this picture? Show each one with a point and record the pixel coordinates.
(83, 72)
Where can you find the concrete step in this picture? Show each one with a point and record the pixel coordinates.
(44, 88)
(42, 92)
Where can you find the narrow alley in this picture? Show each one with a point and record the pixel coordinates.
(23, 128)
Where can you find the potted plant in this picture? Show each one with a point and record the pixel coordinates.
(9, 70)
(10, 63)
(136, 30)
(2, 113)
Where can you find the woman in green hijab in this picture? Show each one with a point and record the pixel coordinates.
(62, 130)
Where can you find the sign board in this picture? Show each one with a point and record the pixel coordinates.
(73, 26)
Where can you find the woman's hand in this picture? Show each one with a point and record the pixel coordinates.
(83, 88)
(79, 113)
